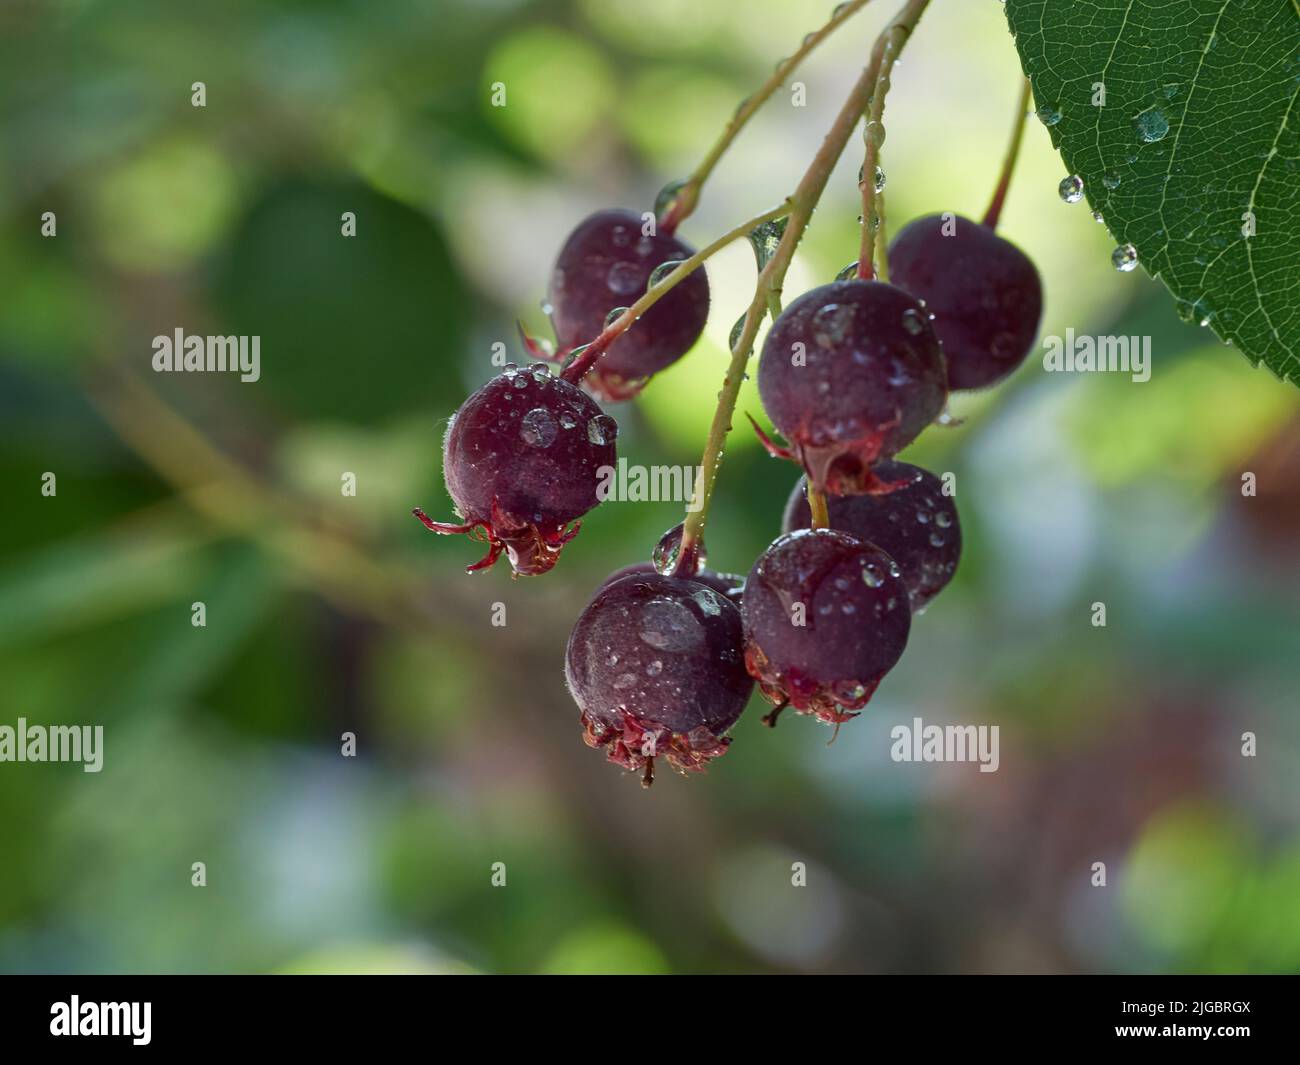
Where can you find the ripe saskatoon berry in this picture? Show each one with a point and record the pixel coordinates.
(655, 664)
(825, 619)
(850, 373)
(606, 263)
(916, 524)
(984, 292)
(521, 459)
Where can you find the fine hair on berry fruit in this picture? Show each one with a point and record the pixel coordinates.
(606, 264)
(826, 617)
(850, 373)
(916, 524)
(657, 668)
(522, 459)
(984, 292)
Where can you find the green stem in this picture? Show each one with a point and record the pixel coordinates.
(889, 45)
(994, 212)
(771, 278)
(821, 518)
(580, 366)
(689, 195)
(881, 241)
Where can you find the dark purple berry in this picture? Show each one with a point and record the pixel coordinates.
(605, 264)
(916, 525)
(850, 373)
(656, 665)
(522, 459)
(985, 295)
(826, 617)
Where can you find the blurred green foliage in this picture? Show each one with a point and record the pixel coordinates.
(329, 614)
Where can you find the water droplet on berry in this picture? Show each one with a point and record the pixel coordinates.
(540, 371)
(602, 429)
(871, 578)
(710, 602)
(912, 322)
(625, 681)
(1071, 189)
(654, 668)
(538, 428)
(936, 540)
(1150, 126)
(831, 324)
(519, 380)
(568, 419)
(923, 517)
(623, 278)
(668, 625)
(943, 519)
(1124, 258)
(620, 236)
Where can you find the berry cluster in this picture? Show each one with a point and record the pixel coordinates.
(665, 656)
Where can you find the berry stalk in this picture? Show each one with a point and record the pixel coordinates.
(587, 356)
(1009, 162)
(820, 514)
(688, 195)
(889, 45)
(772, 276)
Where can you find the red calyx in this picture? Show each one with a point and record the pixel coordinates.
(635, 745)
(531, 549)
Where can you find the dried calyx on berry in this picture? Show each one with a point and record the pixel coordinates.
(850, 373)
(984, 292)
(522, 460)
(606, 265)
(916, 524)
(826, 617)
(656, 666)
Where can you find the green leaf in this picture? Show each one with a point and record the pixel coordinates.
(1199, 133)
